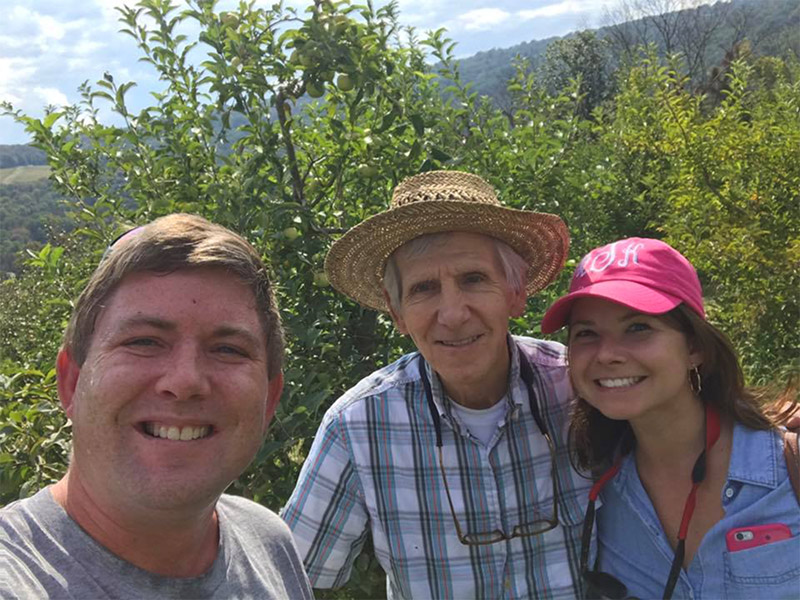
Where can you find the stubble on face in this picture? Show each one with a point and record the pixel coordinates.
(183, 351)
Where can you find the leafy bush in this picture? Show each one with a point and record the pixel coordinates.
(295, 128)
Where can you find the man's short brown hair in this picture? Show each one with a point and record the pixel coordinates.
(168, 244)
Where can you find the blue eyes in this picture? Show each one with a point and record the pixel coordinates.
(230, 350)
(148, 344)
(142, 342)
(474, 278)
(637, 327)
(466, 280)
(584, 333)
(421, 288)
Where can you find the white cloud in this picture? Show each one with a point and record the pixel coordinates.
(482, 18)
(49, 27)
(567, 7)
(85, 47)
(10, 41)
(108, 9)
(13, 71)
(49, 95)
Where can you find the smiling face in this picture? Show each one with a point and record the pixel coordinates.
(627, 364)
(455, 304)
(173, 400)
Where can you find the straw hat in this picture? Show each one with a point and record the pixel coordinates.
(434, 202)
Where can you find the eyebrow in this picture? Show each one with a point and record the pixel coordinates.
(414, 282)
(225, 331)
(141, 320)
(581, 322)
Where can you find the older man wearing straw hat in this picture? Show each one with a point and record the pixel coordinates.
(454, 458)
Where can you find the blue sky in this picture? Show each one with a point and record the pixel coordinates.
(49, 47)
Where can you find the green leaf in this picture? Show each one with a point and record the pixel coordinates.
(418, 124)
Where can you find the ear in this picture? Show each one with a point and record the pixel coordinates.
(274, 390)
(695, 354)
(67, 371)
(399, 323)
(517, 302)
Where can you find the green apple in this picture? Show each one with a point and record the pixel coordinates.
(315, 89)
(321, 279)
(230, 20)
(366, 170)
(345, 82)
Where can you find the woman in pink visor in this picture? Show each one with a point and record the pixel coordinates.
(694, 476)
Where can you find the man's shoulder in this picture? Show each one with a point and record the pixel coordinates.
(37, 501)
(252, 534)
(542, 353)
(16, 518)
(37, 539)
(388, 380)
(237, 509)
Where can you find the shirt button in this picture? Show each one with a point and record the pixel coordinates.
(508, 584)
(729, 492)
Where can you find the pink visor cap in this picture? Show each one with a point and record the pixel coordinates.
(644, 274)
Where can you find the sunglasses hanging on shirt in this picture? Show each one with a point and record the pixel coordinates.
(529, 528)
(605, 586)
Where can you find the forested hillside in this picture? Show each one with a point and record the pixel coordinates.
(702, 35)
(30, 215)
(636, 149)
(17, 155)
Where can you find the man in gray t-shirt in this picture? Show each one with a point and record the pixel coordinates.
(170, 373)
(50, 556)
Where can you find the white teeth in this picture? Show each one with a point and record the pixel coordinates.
(175, 433)
(463, 342)
(619, 382)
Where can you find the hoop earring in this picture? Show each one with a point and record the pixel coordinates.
(695, 380)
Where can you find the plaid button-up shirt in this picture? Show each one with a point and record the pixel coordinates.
(373, 468)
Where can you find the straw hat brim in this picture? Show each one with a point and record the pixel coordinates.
(356, 261)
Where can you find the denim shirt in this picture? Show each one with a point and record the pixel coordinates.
(633, 547)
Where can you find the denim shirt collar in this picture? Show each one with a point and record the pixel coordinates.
(755, 457)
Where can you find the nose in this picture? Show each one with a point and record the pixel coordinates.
(184, 376)
(453, 307)
(610, 351)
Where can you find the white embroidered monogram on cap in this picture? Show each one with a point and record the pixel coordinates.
(603, 260)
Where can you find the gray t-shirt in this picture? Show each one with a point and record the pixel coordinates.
(45, 554)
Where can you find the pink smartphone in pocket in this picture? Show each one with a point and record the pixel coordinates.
(743, 538)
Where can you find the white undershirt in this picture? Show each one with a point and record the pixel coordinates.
(482, 422)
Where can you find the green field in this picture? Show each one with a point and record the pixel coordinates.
(24, 174)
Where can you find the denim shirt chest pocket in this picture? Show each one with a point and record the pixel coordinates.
(769, 571)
